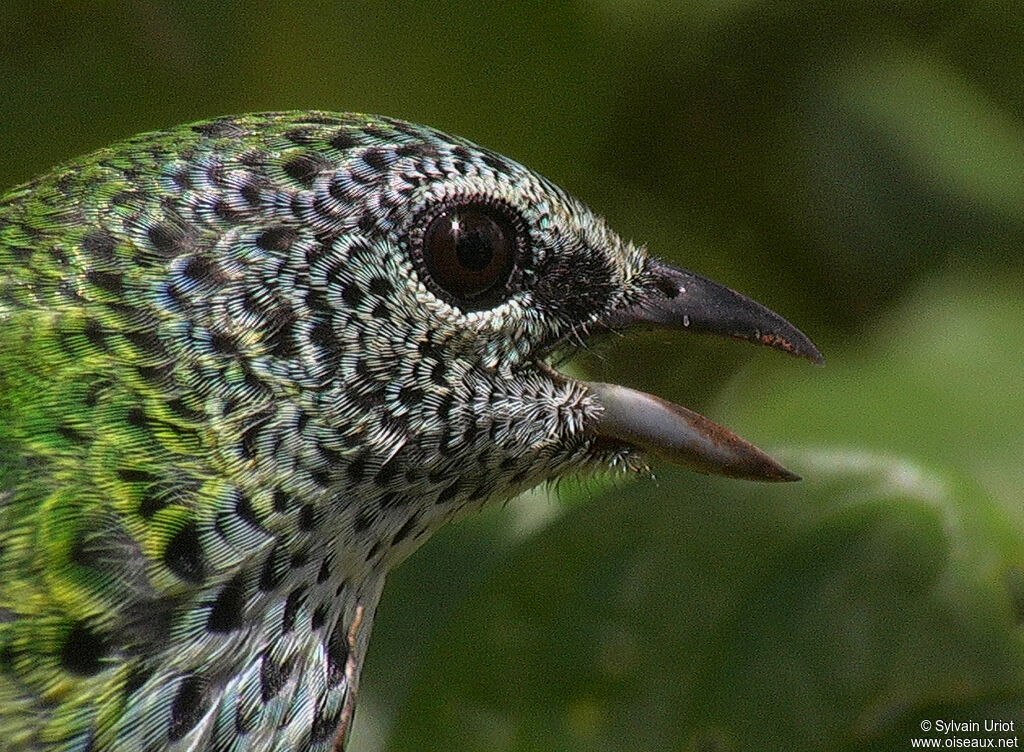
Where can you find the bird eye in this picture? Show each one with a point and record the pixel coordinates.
(470, 251)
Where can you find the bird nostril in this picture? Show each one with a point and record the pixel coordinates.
(668, 288)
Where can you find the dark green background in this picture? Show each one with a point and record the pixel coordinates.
(858, 167)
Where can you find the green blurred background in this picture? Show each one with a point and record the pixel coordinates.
(858, 167)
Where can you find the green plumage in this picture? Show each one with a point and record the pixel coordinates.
(223, 401)
(249, 365)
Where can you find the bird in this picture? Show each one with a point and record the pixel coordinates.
(248, 365)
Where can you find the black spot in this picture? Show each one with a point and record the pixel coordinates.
(386, 473)
(375, 159)
(83, 650)
(316, 300)
(92, 397)
(307, 518)
(319, 617)
(22, 253)
(166, 239)
(299, 559)
(201, 269)
(273, 676)
(184, 554)
(180, 408)
(251, 193)
(366, 223)
(357, 468)
(245, 510)
(273, 569)
(181, 178)
(291, 608)
(393, 500)
(250, 441)
(343, 140)
(188, 706)
(84, 552)
(325, 570)
(255, 384)
(444, 407)
(303, 168)
(404, 530)
(352, 295)
(411, 150)
(380, 286)
(337, 654)
(133, 475)
(361, 250)
(71, 434)
(228, 608)
(478, 493)
(325, 725)
(380, 132)
(363, 521)
(495, 163)
(428, 349)
(66, 183)
(223, 343)
(217, 128)
(281, 337)
(447, 494)
(374, 550)
(109, 281)
(321, 334)
(152, 502)
(438, 372)
(100, 244)
(410, 395)
(277, 239)
(282, 501)
(246, 715)
(94, 333)
(137, 417)
(148, 342)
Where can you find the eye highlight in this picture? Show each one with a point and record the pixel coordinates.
(469, 251)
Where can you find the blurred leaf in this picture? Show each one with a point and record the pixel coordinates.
(838, 613)
(941, 382)
(833, 615)
(953, 134)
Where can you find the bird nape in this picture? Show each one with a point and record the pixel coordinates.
(247, 366)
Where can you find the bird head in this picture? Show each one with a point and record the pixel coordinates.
(249, 364)
(410, 291)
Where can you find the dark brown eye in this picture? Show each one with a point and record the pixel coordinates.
(469, 251)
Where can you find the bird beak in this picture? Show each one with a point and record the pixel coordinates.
(679, 298)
